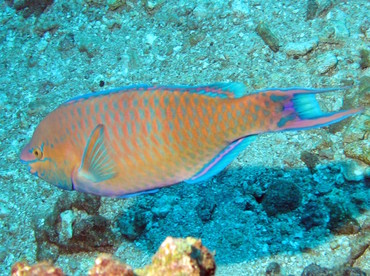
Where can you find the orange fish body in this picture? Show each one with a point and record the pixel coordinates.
(138, 139)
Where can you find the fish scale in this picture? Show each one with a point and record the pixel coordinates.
(137, 139)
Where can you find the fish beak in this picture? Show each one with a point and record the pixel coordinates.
(26, 155)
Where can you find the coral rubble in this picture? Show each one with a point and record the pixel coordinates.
(181, 257)
(39, 269)
(174, 257)
(106, 265)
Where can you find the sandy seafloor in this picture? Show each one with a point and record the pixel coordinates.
(69, 48)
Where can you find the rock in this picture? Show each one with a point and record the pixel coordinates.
(326, 63)
(90, 234)
(66, 232)
(88, 43)
(281, 197)
(324, 7)
(161, 211)
(205, 209)
(235, 237)
(84, 202)
(95, 3)
(312, 7)
(3, 253)
(152, 6)
(180, 257)
(29, 7)
(250, 203)
(45, 87)
(310, 159)
(341, 221)
(315, 270)
(317, 8)
(133, 223)
(36, 107)
(46, 24)
(360, 245)
(357, 130)
(192, 23)
(313, 215)
(195, 38)
(335, 33)
(273, 269)
(46, 251)
(352, 271)
(364, 86)
(66, 43)
(4, 211)
(361, 199)
(106, 265)
(356, 135)
(358, 150)
(174, 257)
(323, 188)
(89, 231)
(365, 58)
(353, 171)
(268, 36)
(3, 100)
(240, 202)
(297, 49)
(42, 269)
(365, 27)
(348, 227)
(115, 4)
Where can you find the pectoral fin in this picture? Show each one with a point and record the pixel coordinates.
(96, 165)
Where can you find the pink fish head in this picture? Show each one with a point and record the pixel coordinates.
(47, 160)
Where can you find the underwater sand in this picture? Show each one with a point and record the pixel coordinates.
(75, 47)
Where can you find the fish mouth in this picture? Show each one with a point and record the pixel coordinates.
(26, 155)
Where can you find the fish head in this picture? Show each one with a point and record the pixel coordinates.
(46, 160)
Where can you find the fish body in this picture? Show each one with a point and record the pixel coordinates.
(137, 139)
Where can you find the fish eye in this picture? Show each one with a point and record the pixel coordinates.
(37, 153)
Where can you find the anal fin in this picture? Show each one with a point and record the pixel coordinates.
(224, 158)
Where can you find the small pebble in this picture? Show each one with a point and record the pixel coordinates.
(334, 245)
(273, 269)
(353, 171)
(115, 4)
(325, 63)
(66, 232)
(314, 269)
(301, 48)
(161, 211)
(268, 36)
(365, 58)
(324, 188)
(4, 211)
(335, 33)
(312, 7)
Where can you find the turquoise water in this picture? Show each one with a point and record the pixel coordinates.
(294, 198)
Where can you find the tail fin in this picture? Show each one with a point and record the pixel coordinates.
(302, 111)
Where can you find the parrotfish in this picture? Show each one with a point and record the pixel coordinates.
(137, 139)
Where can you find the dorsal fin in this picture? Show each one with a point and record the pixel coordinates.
(223, 90)
(230, 90)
